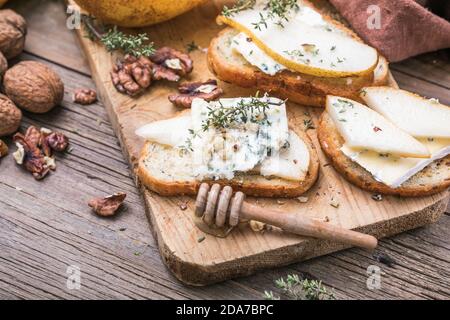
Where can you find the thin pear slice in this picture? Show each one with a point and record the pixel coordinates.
(171, 132)
(420, 117)
(364, 129)
(302, 46)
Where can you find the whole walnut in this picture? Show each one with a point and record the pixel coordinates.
(33, 86)
(10, 116)
(13, 32)
(3, 65)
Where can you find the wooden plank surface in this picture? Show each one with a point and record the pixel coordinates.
(44, 232)
(217, 259)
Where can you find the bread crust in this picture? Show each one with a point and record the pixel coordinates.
(422, 184)
(251, 185)
(300, 88)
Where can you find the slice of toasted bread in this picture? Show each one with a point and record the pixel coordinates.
(168, 172)
(230, 66)
(433, 179)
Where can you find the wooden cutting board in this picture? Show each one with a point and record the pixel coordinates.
(244, 251)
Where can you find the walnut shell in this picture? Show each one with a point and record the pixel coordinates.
(33, 86)
(3, 65)
(14, 30)
(10, 116)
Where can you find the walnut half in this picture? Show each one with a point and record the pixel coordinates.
(132, 75)
(3, 149)
(188, 91)
(172, 59)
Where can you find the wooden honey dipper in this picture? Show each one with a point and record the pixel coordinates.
(218, 208)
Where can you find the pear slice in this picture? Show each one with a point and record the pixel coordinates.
(364, 129)
(305, 42)
(420, 117)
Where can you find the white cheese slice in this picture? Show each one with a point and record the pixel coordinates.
(221, 153)
(304, 46)
(254, 55)
(364, 129)
(171, 132)
(290, 163)
(418, 116)
(394, 171)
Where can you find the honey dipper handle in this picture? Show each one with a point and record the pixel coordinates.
(296, 223)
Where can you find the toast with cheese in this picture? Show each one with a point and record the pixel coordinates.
(311, 88)
(162, 170)
(392, 170)
(168, 170)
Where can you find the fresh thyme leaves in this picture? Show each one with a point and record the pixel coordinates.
(346, 103)
(134, 45)
(192, 47)
(240, 5)
(280, 9)
(294, 53)
(300, 289)
(113, 39)
(268, 295)
(275, 10)
(187, 147)
(299, 54)
(309, 124)
(253, 110)
(262, 22)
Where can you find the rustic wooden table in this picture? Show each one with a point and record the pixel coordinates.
(45, 227)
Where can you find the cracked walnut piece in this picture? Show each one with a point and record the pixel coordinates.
(34, 150)
(85, 96)
(57, 141)
(132, 75)
(175, 60)
(207, 91)
(109, 205)
(30, 156)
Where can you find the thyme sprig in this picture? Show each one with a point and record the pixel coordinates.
(135, 45)
(240, 5)
(276, 10)
(192, 46)
(301, 289)
(113, 39)
(253, 110)
(224, 117)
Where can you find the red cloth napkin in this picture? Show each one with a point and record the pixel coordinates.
(406, 27)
